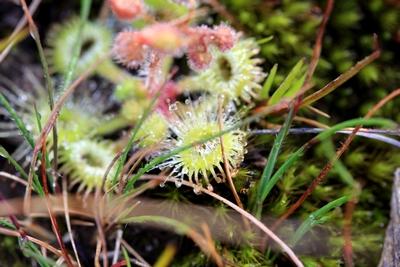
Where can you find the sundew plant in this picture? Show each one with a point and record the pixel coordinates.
(178, 133)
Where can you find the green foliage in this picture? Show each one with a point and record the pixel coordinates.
(266, 183)
(317, 217)
(286, 32)
(290, 85)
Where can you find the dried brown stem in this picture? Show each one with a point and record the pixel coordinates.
(13, 178)
(68, 220)
(21, 23)
(223, 12)
(39, 242)
(227, 166)
(226, 163)
(134, 253)
(98, 252)
(318, 42)
(311, 122)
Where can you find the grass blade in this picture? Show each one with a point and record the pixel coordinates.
(18, 168)
(264, 94)
(269, 168)
(285, 86)
(30, 250)
(297, 85)
(28, 137)
(320, 137)
(132, 138)
(84, 14)
(340, 168)
(18, 121)
(126, 257)
(317, 217)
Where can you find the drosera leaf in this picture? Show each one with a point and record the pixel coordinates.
(264, 94)
(317, 217)
(285, 86)
(284, 167)
(159, 159)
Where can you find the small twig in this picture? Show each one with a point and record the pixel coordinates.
(375, 134)
(21, 23)
(134, 253)
(131, 165)
(310, 122)
(227, 167)
(226, 163)
(97, 254)
(319, 130)
(13, 178)
(223, 12)
(13, 218)
(117, 246)
(318, 42)
(68, 220)
(100, 230)
(41, 243)
(319, 112)
(209, 243)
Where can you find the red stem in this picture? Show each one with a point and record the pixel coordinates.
(53, 220)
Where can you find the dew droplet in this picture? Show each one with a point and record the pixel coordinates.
(197, 190)
(173, 107)
(162, 184)
(178, 183)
